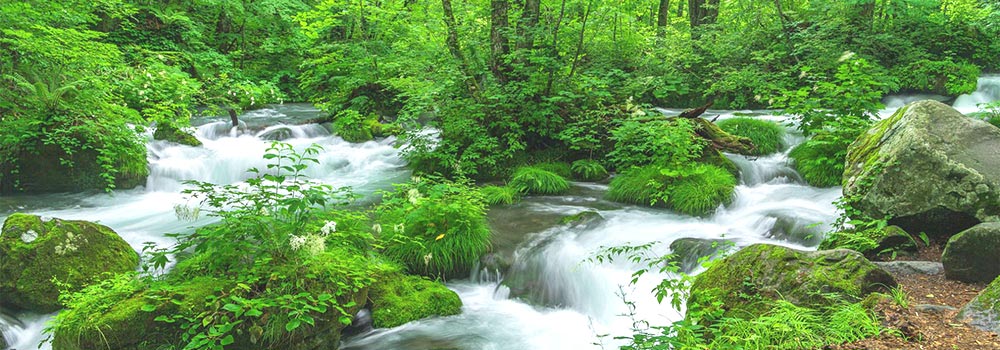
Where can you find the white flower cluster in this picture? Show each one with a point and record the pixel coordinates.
(29, 236)
(186, 212)
(413, 195)
(330, 227)
(311, 244)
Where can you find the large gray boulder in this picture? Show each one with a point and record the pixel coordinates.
(973, 255)
(928, 168)
(983, 312)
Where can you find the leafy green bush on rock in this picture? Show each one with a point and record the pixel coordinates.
(766, 135)
(434, 227)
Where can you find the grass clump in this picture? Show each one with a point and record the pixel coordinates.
(559, 168)
(694, 189)
(766, 135)
(434, 227)
(497, 195)
(589, 170)
(536, 180)
(819, 162)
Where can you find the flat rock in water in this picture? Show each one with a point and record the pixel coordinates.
(904, 268)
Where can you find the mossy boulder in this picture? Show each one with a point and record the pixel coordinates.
(983, 312)
(748, 281)
(171, 133)
(973, 255)
(397, 299)
(767, 136)
(47, 168)
(928, 168)
(35, 250)
(688, 253)
(876, 243)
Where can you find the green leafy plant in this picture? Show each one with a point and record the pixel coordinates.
(434, 227)
(641, 142)
(562, 169)
(589, 170)
(535, 180)
(497, 195)
(767, 136)
(694, 189)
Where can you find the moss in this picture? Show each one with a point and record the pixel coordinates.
(170, 132)
(864, 150)
(581, 218)
(808, 279)
(398, 299)
(766, 135)
(712, 156)
(538, 181)
(47, 168)
(819, 162)
(34, 251)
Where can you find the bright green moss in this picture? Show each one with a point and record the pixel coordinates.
(820, 162)
(398, 299)
(169, 132)
(767, 136)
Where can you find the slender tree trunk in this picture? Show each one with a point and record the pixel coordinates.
(579, 42)
(662, 17)
(785, 30)
(499, 44)
(555, 48)
(527, 25)
(456, 51)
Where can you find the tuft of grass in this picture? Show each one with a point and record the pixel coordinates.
(820, 163)
(497, 195)
(535, 180)
(899, 297)
(765, 134)
(702, 191)
(559, 168)
(640, 185)
(589, 170)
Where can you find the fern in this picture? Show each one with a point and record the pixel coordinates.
(589, 170)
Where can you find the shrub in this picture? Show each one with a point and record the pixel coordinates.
(643, 142)
(494, 195)
(352, 126)
(538, 181)
(434, 227)
(702, 190)
(766, 135)
(589, 170)
(819, 161)
(559, 168)
(694, 189)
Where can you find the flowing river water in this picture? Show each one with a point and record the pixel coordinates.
(551, 298)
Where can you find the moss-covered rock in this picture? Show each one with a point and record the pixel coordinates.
(875, 243)
(767, 136)
(397, 299)
(928, 168)
(819, 161)
(47, 168)
(983, 312)
(748, 280)
(171, 133)
(584, 219)
(35, 250)
(688, 253)
(973, 255)
(711, 156)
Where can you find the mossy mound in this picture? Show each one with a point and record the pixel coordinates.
(397, 299)
(47, 168)
(171, 133)
(819, 161)
(589, 170)
(767, 136)
(534, 180)
(695, 189)
(747, 282)
(34, 251)
(973, 255)
(711, 156)
(983, 312)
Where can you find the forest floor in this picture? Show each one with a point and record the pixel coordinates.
(925, 324)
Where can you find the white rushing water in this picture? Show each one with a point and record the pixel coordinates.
(559, 300)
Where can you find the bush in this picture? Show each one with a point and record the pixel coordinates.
(353, 127)
(559, 168)
(766, 135)
(535, 180)
(695, 189)
(820, 162)
(494, 195)
(589, 170)
(434, 227)
(643, 142)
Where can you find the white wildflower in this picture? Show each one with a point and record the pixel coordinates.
(296, 242)
(802, 74)
(377, 228)
(399, 228)
(29, 236)
(427, 259)
(330, 227)
(413, 195)
(846, 56)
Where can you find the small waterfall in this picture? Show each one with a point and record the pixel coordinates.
(987, 90)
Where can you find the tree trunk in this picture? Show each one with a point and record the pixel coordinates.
(579, 43)
(499, 45)
(701, 12)
(662, 17)
(527, 25)
(555, 48)
(456, 51)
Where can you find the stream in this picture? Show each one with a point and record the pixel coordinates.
(551, 298)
